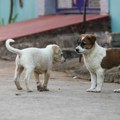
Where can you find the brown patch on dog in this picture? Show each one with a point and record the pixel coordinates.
(91, 37)
(88, 44)
(88, 41)
(112, 58)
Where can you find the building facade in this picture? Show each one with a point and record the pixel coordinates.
(37, 8)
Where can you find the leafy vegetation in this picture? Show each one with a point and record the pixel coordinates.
(2, 22)
(12, 20)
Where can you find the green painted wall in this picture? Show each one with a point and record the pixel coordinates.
(114, 10)
(27, 12)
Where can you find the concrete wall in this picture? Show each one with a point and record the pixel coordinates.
(65, 37)
(116, 39)
(114, 9)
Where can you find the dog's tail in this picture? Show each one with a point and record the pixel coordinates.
(10, 48)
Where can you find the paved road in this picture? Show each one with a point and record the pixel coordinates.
(66, 100)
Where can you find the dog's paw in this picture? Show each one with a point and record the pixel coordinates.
(90, 90)
(45, 89)
(97, 90)
(39, 88)
(117, 91)
(93, 90)
(19, 88)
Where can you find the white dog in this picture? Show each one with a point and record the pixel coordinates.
(98, 60)
(37, 61)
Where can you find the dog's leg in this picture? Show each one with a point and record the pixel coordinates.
(27, 78)
(39, 87)
(18, 71)
(100, 80)
(46, 78)
(117, 90)
(93, 82)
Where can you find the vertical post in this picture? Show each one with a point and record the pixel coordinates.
(84, 26)
(11, 11)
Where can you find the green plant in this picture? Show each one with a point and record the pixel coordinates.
(13, 19)
(2, 22)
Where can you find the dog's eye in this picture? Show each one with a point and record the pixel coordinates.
(61, 54)
(82, 44)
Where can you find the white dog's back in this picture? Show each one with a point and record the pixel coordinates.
(35, 56)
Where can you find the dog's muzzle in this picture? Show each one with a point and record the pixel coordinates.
(63, 60)
(77, 50)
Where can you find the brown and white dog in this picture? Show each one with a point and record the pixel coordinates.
(37, 61)
(98, 60)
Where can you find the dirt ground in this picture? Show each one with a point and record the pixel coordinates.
(66, 100)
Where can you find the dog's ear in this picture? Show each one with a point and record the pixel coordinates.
(92, 38)
(56, 49)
